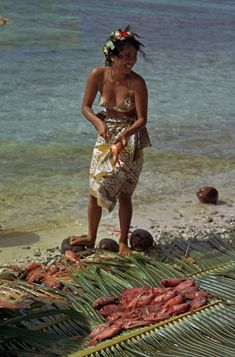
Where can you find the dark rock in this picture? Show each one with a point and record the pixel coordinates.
(65, 245)
(141, 240)
(109, 244)
(208, 194)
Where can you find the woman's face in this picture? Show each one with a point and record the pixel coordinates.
(126, 59)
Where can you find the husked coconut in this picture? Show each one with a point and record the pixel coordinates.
(208, 194)
(65, 245)
(141, 240)
(109, 244)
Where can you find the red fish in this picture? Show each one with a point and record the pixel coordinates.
(152, 308)
(164, 297)
(105, 300)
(108, 332)
(197, 302)
(172, 302)
(159, 291)
(172, 282)
(35, 276)
(141, 300)
(99, 329)
(190, 290)
(129, 294)
(70, 255)
(184, 285)
(51, 282)
(116, 150)
(198, 293)
(8, 305)
(179, 309)
(131, 324)
(32, 266)
(108, 310)
(115, 316)
(154, 317)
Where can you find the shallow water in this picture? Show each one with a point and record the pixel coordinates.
(45, 143)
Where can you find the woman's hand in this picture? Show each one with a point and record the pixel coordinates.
(103, 131)
(117, 146)
(122, 139)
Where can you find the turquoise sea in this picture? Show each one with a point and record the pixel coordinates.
(46, 53)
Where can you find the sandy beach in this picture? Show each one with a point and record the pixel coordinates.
(184, 216)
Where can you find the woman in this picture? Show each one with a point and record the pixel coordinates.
(118, 153)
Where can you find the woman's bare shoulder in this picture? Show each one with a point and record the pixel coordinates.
(97, 72)
(137, 79)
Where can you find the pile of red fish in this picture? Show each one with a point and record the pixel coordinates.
(49, 276)
(144, 306)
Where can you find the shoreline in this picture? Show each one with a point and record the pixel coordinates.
(183, 217)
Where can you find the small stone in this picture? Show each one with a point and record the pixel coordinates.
(37, 253)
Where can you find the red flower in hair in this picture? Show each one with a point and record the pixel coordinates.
(123, 34)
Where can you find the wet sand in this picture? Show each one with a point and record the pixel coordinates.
(184, 216)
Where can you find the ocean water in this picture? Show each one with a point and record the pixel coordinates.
(46, 53)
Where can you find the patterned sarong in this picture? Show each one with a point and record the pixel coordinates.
(110, 177)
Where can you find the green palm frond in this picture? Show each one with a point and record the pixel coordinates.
(65, 313)
(200, 334)
(214, 270)
(47, 329)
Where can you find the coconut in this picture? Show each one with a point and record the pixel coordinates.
(207, 194)
(141, 240)
(65, 245)
(109, 244)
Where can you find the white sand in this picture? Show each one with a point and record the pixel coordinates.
(164, 216)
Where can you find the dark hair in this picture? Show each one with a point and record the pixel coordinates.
(118, 40)
(119, 45)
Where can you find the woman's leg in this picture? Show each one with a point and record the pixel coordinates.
(125, 216)
(94, 216)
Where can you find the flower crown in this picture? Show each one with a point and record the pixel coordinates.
(118, 35)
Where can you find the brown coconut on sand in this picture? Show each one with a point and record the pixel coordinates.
(141, 240)
(208, 194)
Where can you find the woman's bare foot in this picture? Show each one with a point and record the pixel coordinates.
(124, 250)
(81, 240)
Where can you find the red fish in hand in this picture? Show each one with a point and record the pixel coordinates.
(115, 151)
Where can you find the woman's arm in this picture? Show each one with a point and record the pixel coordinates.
(95, 77)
